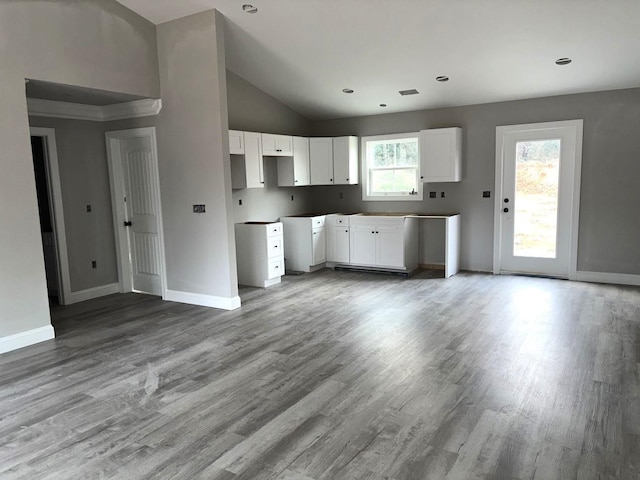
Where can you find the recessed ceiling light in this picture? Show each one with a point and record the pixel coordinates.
(563, 61)
(442, 78)
(383, 105)
(247, 8)
(413, 91)
(347, 90)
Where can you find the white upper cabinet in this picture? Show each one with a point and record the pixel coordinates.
(236, 142)
(321, 160)
(277, 145)
(247, 170)
(294, 171)
(441, 155)
(345, 160)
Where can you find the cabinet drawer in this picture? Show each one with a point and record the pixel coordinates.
(276, 267)
(317, 222)
(337, 220)
(274, 246)
(274, 229)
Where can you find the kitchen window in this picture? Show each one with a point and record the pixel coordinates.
(391, 167)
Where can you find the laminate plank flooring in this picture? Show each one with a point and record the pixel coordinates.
(334, 375)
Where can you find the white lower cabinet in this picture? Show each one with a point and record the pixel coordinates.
(338, 238)
(259, 253)
(384, 242)
(305, 242)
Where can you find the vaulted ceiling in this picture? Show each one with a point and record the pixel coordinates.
(305, 52)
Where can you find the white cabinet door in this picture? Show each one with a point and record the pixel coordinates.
(301, 161)
(345, 160)
(338, 240)
(390, 247)
(247, 170)
(277, 145)
(321, 161)
(441, 154)
(294, 171)
(319, 245)
(253, 160)
(236, 142)
(363, 245)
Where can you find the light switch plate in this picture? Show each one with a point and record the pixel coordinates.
(199, 209)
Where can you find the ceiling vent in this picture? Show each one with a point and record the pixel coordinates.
(413, 91)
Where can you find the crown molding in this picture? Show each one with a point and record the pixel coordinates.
(94, 113)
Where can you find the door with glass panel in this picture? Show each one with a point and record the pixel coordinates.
(536, 197)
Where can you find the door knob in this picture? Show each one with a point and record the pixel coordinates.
(127, 223)
(505, 210)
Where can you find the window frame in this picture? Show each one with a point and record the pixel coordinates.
(402, 197)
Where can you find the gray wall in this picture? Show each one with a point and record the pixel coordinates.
(92, 43)
(252, 110)
(193, 153)
(609, 228)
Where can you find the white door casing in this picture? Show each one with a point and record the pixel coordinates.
(135, 191)
(563, 263)
(57, 211)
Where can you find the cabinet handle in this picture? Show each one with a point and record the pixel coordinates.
(373, 232)
(347, 231)
(295, 181)
(347, 179)
(277, 267)
(331, 179)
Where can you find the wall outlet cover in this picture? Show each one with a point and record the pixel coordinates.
(199, 209)
(432, 195)
(88, 208)
(441, 194)
(94, 264)
(486, 194)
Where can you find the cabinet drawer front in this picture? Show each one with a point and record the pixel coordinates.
(317, 222)
(337, 220)
(274, 246)
(274, 229)
(276, 267)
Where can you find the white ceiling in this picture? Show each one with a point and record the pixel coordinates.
(304, 52)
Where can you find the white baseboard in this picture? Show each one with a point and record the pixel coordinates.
(89, 293)
(24, 339)
(223, 303)
(602, 277)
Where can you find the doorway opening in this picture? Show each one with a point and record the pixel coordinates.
(537, 198)
(42, 146)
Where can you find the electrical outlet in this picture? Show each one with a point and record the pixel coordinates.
(432, 195)
(199, 209)
(292, 198)
(94, 264)
(486, 194)
(341, 195)
(441, 194)
(88, 208)
(239, 201)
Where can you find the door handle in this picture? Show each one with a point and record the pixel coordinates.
(127, 223)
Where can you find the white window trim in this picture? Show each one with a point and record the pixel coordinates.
(392, 197)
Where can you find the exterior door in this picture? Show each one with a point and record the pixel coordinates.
(135, 187)
(536, 197)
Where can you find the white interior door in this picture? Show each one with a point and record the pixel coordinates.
(136, 193)
(537, 193)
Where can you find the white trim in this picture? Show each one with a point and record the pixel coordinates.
(55, 197)
(603, 277)
(90, 293)
(224, 303)
(24, 339)
(577, 176)
(116, 182)
(95, 113)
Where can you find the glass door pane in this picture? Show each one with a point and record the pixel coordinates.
(536, 198)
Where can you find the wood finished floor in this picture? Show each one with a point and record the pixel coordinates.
(334, 375)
